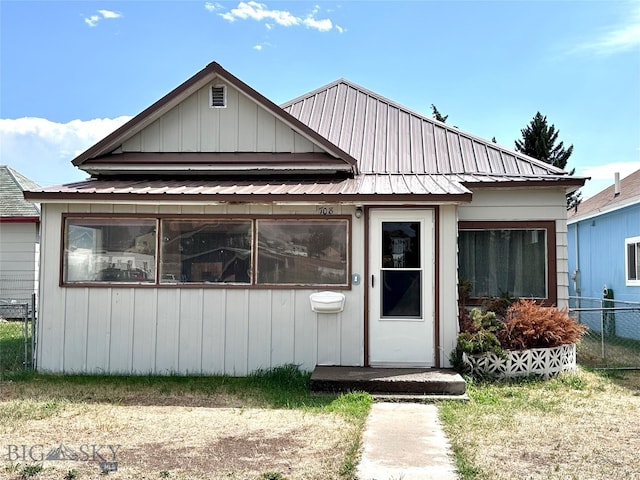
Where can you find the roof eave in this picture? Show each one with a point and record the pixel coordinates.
(55, 197)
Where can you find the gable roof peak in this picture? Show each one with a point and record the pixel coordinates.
(115, 140)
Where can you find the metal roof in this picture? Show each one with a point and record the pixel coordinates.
(401, 187)
(388, 150)
(388, 138)
(12, 202)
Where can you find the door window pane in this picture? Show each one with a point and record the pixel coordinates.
(400, 245)
(401, 293)
(196, 251)
(302, 252)
(109, 250)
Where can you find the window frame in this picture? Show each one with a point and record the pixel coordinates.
(629, 282)
(160, 217)
(552, 265)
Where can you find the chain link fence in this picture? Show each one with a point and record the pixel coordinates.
(17, 322)
(613, 338)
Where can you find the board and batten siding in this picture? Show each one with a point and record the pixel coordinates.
(19, 258)
(242, 126)
(189, 330)
(521, 205)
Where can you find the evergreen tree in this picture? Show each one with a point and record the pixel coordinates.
(437, 115)
(539, 141)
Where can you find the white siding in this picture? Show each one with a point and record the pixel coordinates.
(520, 205)
(243, 126)
(19, 249)
(190, 330)
(448, 294)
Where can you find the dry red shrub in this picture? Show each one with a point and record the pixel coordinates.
(530, 325)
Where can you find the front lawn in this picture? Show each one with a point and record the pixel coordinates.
(265, 426)
(583, 426)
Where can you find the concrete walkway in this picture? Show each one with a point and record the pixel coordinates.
(405, 441)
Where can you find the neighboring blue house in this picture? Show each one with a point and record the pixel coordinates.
(604, 242)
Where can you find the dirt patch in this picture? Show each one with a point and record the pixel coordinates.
(178, 442)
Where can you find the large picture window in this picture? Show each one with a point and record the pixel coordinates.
(110, 250)
(513, 258)
(304, 252)
(632, 257)
(206, 250)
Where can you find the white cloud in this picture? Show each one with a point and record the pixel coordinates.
(259, 12)
(602, 176)
(42, 150)
(322, 25)
(93, 20)
(257, 47)
(617, 38)
(212, 6)
(109, 14)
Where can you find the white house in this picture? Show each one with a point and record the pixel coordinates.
(176, 256)
(19, 239)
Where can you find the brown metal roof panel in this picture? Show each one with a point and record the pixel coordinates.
(380, 144)
(335, 130)
(327, 112)
(405, 155)
(367, 163)
(455, 153)
(348, 118)
(357, 128)
(482, 154)
(495, 159)
(429, 147)
(392, 164)
(442, 151)
(416, 149)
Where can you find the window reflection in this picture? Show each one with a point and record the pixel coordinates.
(302, 252)
(110, 250)
(400, 245)
(197, 251)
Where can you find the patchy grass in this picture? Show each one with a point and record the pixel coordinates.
(266, 425)
(579, 426)
(618, 351)
(12, 346)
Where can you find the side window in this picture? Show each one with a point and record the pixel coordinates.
(632, 261)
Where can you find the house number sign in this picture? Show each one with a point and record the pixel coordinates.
(325, 210)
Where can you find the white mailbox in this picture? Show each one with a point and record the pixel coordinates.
(327, 302)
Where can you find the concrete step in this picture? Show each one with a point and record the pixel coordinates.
(391, 382)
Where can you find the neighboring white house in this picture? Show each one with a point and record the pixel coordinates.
(19, 238)
(214, 215)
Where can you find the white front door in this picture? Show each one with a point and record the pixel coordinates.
(401, 287)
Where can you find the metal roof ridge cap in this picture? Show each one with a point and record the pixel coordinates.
(312, 93)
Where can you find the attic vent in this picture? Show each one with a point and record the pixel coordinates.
(218, 96)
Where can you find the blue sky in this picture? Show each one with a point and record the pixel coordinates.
(71, 72)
